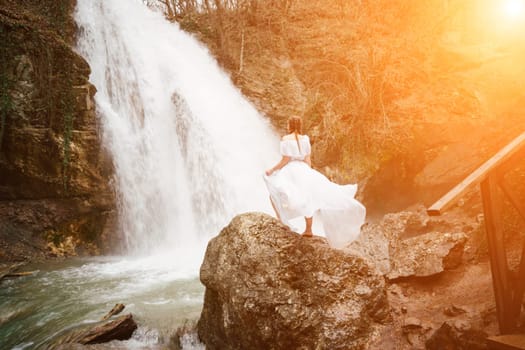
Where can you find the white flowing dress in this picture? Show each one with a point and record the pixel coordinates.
(297, 190)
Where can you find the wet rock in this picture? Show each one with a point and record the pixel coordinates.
(186, 337)
(269, 288)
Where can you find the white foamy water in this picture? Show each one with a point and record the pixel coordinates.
(189, 150)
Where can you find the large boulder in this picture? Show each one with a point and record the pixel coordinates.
(269, 288)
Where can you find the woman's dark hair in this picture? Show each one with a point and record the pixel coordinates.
(295, 125)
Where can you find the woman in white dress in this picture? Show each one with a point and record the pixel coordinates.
(298, 190)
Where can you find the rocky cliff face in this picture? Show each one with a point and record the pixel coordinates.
(54, 175)
(269, 288)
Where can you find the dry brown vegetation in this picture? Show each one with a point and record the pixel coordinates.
(377, 82)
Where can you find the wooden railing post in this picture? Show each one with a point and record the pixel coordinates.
(509, 286)
(519, 289)
(497, 253)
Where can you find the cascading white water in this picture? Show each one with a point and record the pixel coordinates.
(188, 150)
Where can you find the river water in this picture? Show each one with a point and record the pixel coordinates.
(188, 153)
(39, 310)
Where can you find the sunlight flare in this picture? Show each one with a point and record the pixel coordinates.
(514, 9)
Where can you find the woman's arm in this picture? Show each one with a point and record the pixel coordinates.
(308, 160)
(283, 162)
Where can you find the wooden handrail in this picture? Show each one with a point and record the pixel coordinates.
(477, 176)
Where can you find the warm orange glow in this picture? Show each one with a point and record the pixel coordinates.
(500, 22)
(514, 9)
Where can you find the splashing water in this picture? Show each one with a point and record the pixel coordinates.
(188, 150)
(62, 297)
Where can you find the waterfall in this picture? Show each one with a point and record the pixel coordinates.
(188, 150)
